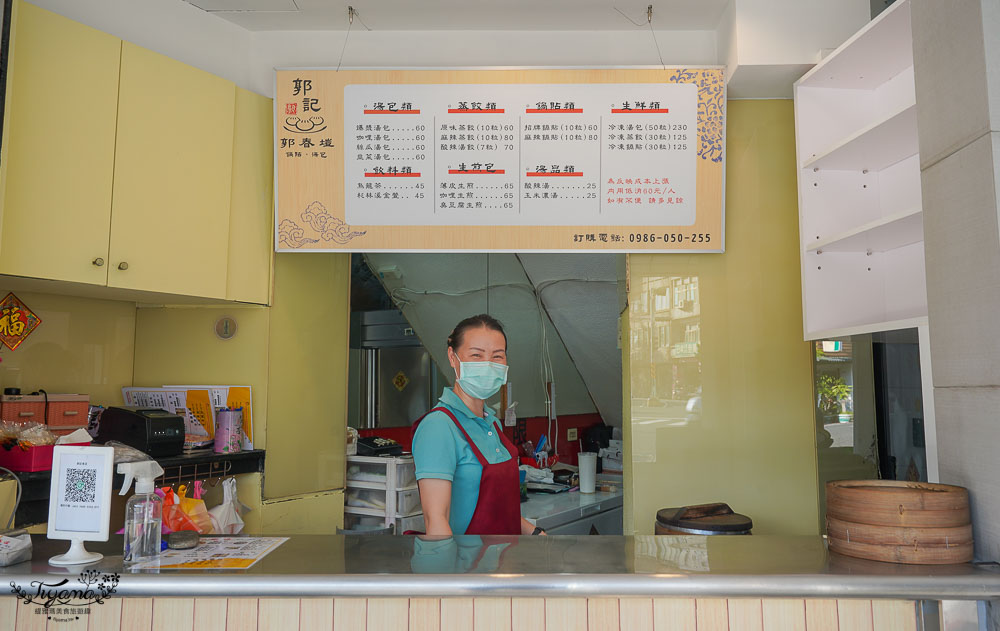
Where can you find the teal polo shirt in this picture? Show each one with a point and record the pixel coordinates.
(440, 451)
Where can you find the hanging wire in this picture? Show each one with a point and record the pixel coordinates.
(649, 18)
(487, 283)
(649, 23)
(350, 23)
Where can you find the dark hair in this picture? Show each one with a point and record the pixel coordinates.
(481, 321)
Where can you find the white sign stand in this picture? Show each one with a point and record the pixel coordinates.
(80, 500)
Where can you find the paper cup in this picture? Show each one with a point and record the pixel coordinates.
(588, 471)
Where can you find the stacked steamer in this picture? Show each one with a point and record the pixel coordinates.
(899, 522)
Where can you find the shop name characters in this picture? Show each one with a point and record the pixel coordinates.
(94, 588)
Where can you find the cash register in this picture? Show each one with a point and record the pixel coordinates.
(152, 430)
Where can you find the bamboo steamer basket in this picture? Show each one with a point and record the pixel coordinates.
(922, 555)
(897, 536)
(899, 522)
(895, 503)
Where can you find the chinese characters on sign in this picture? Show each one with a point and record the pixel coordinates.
(300, 135)
(17, 321)
(621, 154)
(567, 160)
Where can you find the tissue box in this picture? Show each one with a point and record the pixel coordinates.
(38, 458)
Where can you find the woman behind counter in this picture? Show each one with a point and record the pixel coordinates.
(466, 468)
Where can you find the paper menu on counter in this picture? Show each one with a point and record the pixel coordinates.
(231, 397)
(194, 405)
(217, 553)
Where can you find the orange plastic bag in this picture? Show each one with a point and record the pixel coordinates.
(173, 515)
(195, 508)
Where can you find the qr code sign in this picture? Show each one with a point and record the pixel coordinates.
(81, 485)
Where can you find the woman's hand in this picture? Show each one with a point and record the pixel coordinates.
(527, 527)
(435, 500)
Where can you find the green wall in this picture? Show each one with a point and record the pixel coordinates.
(753, 444)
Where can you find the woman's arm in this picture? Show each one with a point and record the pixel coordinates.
(435, 499)
(527, 527)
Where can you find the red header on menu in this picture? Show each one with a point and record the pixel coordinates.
(392, 111)
(547, 111)
(476, 172)
(392, 175)
(658, 111)
(457, 111)
(545, 174)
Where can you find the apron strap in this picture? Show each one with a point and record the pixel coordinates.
(472, 445)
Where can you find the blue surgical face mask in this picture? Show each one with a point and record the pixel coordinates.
(481, 380)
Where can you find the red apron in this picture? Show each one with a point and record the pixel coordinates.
(498, 510)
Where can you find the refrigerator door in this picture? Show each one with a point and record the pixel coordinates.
(404, 385)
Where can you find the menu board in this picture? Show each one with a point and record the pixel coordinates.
(500, 160)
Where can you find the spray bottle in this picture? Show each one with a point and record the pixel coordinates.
(143, 511)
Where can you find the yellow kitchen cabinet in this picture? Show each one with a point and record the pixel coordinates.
(251, 223)
(172, 177)
(59, 148)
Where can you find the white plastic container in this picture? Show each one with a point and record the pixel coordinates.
(407, 500)
(588, 470)
(401, 525)
(378, 469)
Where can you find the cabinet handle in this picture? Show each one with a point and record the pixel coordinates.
(98, 262)
(123, 266)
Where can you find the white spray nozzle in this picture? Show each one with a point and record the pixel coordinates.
(144, 471)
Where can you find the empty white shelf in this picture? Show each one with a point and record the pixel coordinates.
(875, 147)
(888, 233)
(876, 53)
(871, 327)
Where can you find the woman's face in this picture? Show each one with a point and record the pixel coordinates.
(479, 345)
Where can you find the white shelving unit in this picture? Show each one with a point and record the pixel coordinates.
(376, 485)
(860, 214)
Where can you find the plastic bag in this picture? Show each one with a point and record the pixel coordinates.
(195, 508)
(126, 453)
(226, 519)
(173, 515)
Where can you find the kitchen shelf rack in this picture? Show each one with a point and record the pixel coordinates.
(34, 506)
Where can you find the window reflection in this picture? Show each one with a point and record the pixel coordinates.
(869, 408)
(666, 343)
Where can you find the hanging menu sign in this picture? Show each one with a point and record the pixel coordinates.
(500, 160)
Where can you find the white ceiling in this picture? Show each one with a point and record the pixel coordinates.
(443, 15)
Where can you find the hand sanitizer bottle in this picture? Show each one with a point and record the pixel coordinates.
(143, 512)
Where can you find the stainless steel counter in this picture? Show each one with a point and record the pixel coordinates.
(554, 510)
(755, 566)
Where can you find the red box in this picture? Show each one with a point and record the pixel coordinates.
(65, 410)
(68, 410)
(38, 458)
(22, 408)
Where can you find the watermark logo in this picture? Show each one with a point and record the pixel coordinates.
(65, 600)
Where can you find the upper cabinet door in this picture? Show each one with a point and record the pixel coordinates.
(173, 177)
(62, 101)
(251, 222)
